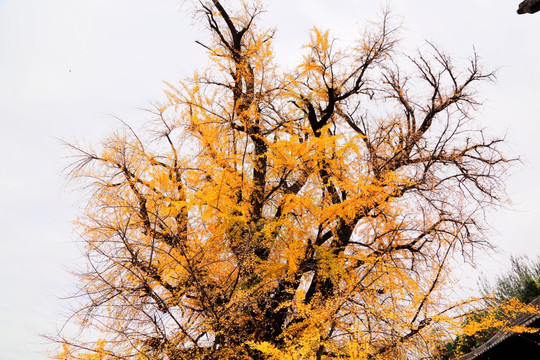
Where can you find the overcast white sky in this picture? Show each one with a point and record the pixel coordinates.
(68, 66)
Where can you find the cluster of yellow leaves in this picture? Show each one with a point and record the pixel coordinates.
(503, 316)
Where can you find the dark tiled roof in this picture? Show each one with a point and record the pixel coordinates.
(520, 320)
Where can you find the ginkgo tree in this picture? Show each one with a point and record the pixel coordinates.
(310, 213)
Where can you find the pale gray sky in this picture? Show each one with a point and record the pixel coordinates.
(67, 66)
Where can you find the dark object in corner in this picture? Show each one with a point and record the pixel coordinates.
(529, 7)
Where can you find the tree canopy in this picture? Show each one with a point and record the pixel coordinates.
(307, 213)
(522, 282)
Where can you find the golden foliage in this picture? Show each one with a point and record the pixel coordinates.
(278, 215)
